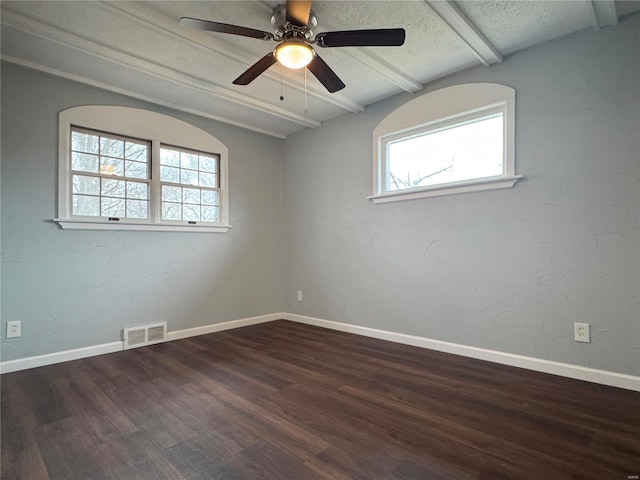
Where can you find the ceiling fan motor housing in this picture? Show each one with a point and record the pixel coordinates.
(285, 29)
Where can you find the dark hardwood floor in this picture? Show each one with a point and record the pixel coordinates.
(288, 401)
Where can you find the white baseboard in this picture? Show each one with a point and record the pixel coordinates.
(603, 377)
(577, 372)
(218, 327)
(59, 357)
(92, 351)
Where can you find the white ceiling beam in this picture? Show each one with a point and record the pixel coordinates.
(384, 69)
(139, 96)
(80, 43)
(603, 13)
(151, 19)
(464, 28)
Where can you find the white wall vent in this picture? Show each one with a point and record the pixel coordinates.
(144, 335)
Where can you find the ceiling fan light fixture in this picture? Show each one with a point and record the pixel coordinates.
(294, 55)
(294, 23)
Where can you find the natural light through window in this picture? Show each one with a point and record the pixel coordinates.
(110, 175)
(458, 139)
(189, 185)
(122, 168)
(464, 151)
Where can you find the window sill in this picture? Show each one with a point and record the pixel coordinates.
(67, 224)
(449, 189)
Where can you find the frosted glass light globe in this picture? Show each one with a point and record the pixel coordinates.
(294, 55)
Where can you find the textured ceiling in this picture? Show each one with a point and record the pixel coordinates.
(139, 49)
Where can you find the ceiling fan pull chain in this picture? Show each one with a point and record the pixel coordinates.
(281, 81)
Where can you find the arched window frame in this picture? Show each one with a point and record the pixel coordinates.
(442, 109)
(159, 130)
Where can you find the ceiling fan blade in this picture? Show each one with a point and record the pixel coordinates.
(298, 12)
(381, 37)
(255, 70)
(210, 26)
(323, 72)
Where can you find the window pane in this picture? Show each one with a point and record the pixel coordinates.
(83, 205)
(135, 169)
(169, 174)
(208, 180)
(172, 194)
(97, 196)
(171, 211)
(465, 151)
(191, 170)
(191, 195)
(188, 177)
(83, 142)
(137, 190)
(189, 160)
(111, 166)
(113, 188)
(111, 147)
(191, 213)
(137, 209)
(169, 157)
(112, 207)
(136, 151)
(210, 214)
(86, 185)
(209, 197)
(84, 162)
(208, 164)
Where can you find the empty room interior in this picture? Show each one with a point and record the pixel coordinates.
(320, 240)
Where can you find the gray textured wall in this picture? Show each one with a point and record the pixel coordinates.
(508, 270)
(73, 289)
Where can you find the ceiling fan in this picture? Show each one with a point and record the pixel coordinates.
(294, 23)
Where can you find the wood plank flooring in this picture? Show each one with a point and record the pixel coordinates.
(287, 401)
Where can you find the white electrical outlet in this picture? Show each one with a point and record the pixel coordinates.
(14, 329)
(299, 295)
(581, 332)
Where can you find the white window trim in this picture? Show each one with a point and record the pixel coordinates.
(143, 124)
(440, 108)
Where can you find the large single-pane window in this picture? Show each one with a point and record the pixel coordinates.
(459, 139)
(467, 149)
